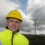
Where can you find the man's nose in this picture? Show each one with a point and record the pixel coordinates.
(14, 24)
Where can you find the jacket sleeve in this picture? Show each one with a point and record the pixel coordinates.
(27, 43)
(0, 35)
(0, 42)
(0, 38)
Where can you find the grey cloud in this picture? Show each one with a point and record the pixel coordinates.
(41, 28)
(26, 26)
(39, 14)
(2, 21)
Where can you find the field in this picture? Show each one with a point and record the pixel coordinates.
(36, 39)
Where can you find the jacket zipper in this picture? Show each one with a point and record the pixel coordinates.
(12, 39)
(13, 36)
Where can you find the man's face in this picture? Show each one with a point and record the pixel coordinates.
(13, 24)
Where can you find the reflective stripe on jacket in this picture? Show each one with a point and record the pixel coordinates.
(18, 39)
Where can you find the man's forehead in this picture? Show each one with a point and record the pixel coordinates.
(14, 19)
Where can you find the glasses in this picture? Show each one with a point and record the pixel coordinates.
(11, 21)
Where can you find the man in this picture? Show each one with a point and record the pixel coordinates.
(11, 35)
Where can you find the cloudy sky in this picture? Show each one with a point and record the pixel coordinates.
(32, 11)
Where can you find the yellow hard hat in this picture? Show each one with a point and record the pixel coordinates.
(14, 14)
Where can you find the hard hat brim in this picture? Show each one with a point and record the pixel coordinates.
(13, 18)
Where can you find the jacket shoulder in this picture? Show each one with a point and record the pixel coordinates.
(22, 37)
(2, 33)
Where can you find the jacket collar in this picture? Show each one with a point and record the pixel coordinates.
(10, 30)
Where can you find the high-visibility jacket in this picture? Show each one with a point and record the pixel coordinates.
(18, 39)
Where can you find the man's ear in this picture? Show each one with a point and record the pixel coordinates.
(19, 24)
